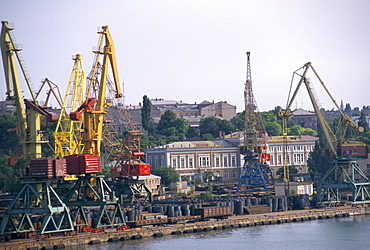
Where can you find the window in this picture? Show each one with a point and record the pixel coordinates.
(182, 162)
(233, 160)
(191, 160)
(368, 169)
(287, 159)
(162, 160)
(233, 174)
(156, 161)
(204, 161)
(279, 162)
(217, 161)
(272, 159)
(150, 160)
(298, 158)
(226, 174)
(174, 162)
(225, 161)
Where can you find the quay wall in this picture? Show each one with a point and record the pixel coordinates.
(157, 231)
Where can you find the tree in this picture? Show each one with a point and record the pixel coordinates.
(363, 123)
(167, 174)
(317, 162)
(213, 125)
(309, 131)
(192, 133)
(273, 128)
(238, 121)
(207, 137)
(207, 176)
(295, 130)
(269, 116)
(365, 138)
(8, 134)
(348, 109)
(146, 113)
(9, 176)
(271, 122)
(174, 128)
(181, 125)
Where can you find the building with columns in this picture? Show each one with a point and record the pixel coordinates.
(223, 158)
(191, 159)
(297, 150)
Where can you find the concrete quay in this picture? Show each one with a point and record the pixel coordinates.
(183, 228)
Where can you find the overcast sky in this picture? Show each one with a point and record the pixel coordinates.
(196, 50)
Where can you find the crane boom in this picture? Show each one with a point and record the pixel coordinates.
(94, 116)
(68, 132)
(28, 114)
(333, 140)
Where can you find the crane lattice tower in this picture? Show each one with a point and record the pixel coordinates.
(252, 173)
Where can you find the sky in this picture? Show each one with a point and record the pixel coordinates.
(192, 51)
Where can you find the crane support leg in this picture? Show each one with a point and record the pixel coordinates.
(36, 200)
(251, 178)
(90, 192)
(342, 178)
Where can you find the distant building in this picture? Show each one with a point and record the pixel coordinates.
(121, 118)
(331, 113)
(297, 149)
(219, 109)
(152, 182)
(364, 165)
(192, 112)
(294, 188)
(192, 159)
(306, 119)
(223, 158)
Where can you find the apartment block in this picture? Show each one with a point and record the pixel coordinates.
(304, 118)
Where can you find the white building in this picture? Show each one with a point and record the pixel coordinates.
(294, 188)
(297, 150)
(193, 158)
(223, 157)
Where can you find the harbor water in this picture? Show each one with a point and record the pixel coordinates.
(342, 233)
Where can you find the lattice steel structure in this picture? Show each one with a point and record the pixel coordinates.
(252, 177)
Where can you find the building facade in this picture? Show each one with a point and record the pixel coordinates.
(364, 165)
(223, 158)
(304, 118)
(192, 159)
(297, 150)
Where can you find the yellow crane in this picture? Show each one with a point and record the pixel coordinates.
(28, 111)
(36, 199)
(344, 173)
(94, 114)
(68, 132)
(91, 190)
